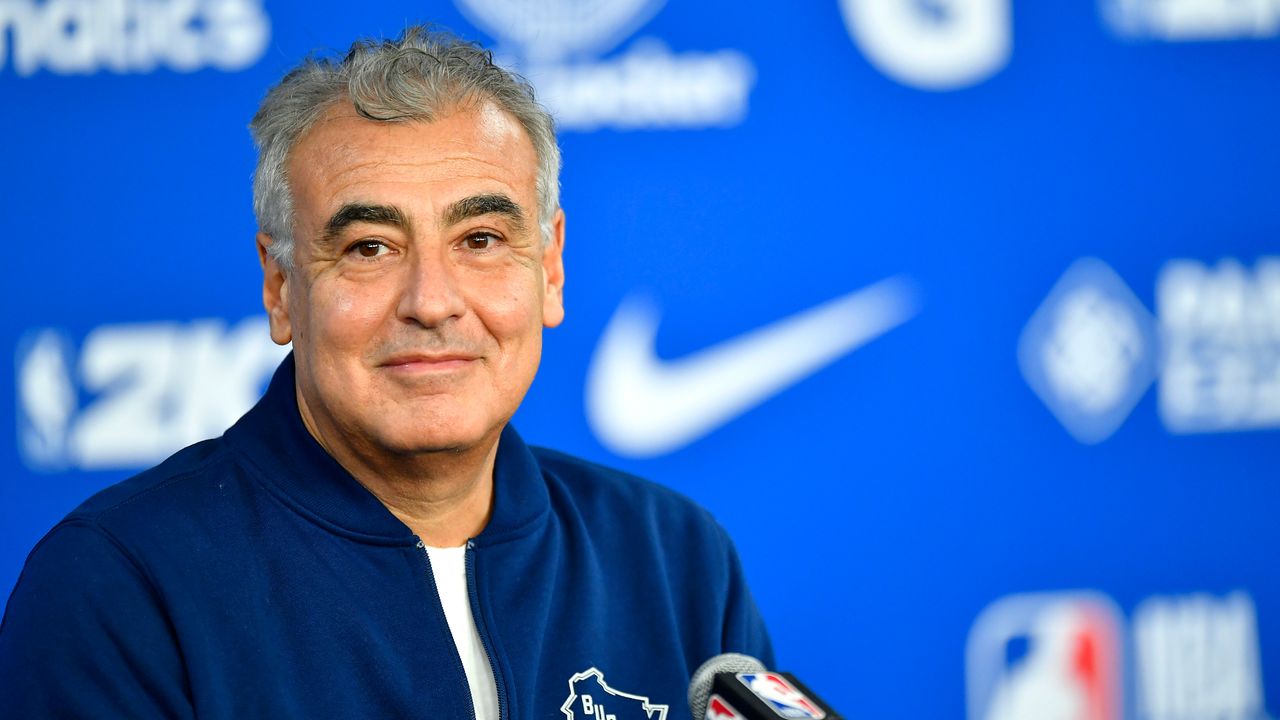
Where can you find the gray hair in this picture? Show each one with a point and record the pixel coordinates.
(416, 76)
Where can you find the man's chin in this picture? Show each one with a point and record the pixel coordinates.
(441, 442)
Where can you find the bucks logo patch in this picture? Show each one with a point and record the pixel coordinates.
(591, 698)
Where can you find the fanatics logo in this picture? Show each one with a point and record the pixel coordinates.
(590, 698)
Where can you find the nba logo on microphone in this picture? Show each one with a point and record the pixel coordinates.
(719, 709)
(781, 696)
(1045, 656)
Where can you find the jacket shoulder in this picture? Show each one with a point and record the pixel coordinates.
(162, 491)
(188, 463)
(625, 499)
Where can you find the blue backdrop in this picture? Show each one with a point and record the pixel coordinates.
(963, 316)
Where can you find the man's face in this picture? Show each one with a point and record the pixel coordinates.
(421, 282)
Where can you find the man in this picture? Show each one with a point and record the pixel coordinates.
(373, 540)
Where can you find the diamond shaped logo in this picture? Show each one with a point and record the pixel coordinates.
(1090, 351)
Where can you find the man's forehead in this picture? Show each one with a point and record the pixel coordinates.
(472, 149)
(341, 131)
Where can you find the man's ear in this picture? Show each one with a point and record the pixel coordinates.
(275, 292)
(553, 274)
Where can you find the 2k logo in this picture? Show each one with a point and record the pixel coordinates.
(591, 698)
(151, 389)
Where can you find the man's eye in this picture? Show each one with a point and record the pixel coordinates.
(480, 241)
(369, 248)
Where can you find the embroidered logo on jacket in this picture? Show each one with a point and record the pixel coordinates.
(590, 698)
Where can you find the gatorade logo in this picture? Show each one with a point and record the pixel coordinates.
(591, 698)
(935, 45)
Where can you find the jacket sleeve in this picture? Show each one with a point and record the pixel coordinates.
(744, 630)
(85, 636)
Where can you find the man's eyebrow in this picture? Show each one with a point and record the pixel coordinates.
(486, 204)
(352, 213)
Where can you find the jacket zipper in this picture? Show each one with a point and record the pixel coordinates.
(431, 576)
(474, 596)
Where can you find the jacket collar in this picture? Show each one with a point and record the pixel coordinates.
(274, 443)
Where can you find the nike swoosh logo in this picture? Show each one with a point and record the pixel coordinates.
(641, 406)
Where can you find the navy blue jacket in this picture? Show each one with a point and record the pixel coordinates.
(252, 577)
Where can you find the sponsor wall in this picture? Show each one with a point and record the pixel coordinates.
(963, 316)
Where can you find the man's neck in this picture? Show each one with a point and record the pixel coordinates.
(443, 506)
(445, 497)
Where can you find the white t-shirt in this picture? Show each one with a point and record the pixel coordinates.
(449, 566)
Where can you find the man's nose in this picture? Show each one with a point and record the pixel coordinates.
(431, 294)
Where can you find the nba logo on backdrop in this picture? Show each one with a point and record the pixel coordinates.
(1050, 656)
(1057, 656)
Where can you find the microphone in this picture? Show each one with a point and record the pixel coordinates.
(733, 686)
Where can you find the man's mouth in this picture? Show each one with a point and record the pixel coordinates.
(428, 362)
